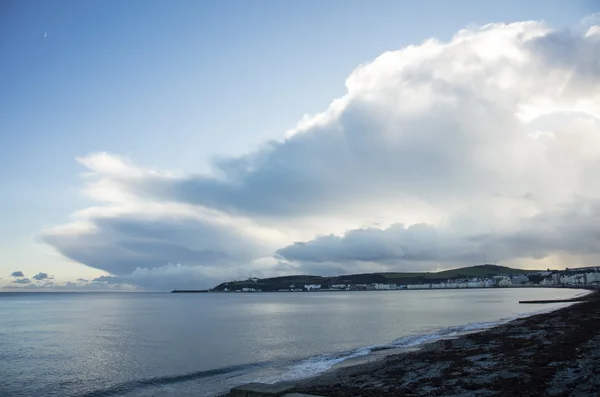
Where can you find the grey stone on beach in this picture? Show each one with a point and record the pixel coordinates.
(446, 344)
(262, 390)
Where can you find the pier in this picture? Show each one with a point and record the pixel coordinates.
(581, 299)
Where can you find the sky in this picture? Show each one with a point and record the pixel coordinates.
(153, 145)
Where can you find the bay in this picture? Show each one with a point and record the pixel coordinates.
(157, 344)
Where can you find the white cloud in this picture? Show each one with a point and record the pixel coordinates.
(488, 136)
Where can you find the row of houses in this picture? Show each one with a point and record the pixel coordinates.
(456, 284)
(449, 284)
(568, 278)
(463, 283)
(356, 287)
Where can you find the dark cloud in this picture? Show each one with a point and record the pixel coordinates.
(129, 242)
(22, 281)
(574, 52)
(574, 228)
(41, 276)
(83, 280)
(416, 243)
(17, 274)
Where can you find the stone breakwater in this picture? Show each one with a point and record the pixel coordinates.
(551, 354)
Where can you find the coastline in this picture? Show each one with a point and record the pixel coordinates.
(550, 354)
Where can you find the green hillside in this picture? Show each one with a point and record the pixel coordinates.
(484, 271)
(463, 272)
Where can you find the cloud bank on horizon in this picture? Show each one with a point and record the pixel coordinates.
(437, 154)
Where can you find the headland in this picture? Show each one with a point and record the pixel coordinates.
(479, 276)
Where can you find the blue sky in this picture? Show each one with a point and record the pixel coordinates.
(175, 85)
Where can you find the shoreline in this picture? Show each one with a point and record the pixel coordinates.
(183, 291)
(556, 353)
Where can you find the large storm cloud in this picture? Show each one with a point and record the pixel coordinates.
(436, 153)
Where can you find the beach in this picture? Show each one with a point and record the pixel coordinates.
(550, 354)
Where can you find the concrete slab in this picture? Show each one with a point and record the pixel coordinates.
(262, 390)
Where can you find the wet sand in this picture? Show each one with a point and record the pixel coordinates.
(550, 354)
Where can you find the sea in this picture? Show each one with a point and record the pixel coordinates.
(161, 344)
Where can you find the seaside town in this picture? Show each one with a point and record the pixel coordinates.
(549, 278)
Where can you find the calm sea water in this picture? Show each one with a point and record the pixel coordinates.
(202, 344)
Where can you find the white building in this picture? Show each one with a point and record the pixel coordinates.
(504, 282)
(592, 278)
(419, 286)
(384, 286)
(547, 282)
(312, 287)
(573, 279)
(475, 284)
(338, 286)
